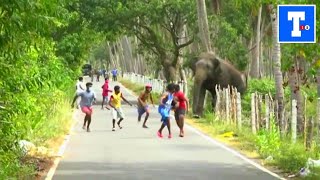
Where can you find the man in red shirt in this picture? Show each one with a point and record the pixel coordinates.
(182, 108)
(105, 92)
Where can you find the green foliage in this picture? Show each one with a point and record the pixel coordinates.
(41, 50)
(268, 142)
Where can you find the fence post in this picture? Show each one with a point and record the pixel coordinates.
(294, 121)
(253, 113)
(239, 120)
(309, 133)
(267, 115)
(227, 92)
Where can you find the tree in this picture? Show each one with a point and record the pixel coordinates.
(156, 24)
(276, 58)
(203, 25)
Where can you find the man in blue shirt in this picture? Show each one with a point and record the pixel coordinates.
(114, 74)
(87, 98)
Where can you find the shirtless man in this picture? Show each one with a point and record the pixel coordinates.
(143, 106)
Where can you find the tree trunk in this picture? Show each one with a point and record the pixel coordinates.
(296, 95)
(184, 79)
(216, 6)
(255, 66)
(203, 25)
(128, 59)
(276, 57)
(170, 73)
(112, 58)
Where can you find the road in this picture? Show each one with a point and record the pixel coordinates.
(134, 153)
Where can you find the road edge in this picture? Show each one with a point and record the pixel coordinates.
(62, 148)
(220, 144)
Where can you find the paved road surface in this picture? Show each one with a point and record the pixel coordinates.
(134, 153)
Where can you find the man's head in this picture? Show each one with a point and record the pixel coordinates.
(148, 88)
(116, 89)
(177, 87)
(80, 78)
(106, 78)
(88, 85)
(170, 88)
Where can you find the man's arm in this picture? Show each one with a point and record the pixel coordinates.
(74, 100)
(125, 100)
(94, 98)
(81, 86)
(164, 95)
(110, 104)
(151, 99)
(187, 102)
(176, 100)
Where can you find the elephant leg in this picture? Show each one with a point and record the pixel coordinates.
(200, 106)
(214, 99)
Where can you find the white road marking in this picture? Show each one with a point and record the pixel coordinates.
(258, 166)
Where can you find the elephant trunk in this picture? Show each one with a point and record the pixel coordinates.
(198, 94)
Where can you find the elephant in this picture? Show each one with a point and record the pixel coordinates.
(209, 70)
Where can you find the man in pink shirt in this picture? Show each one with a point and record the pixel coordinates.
(105, 92)
(182, 108)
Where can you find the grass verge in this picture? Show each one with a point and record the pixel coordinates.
(46, 130)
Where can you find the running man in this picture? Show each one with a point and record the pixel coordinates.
(182, 108)
(114, 74)
(142, 104)
(115, 103)
(165, 106)
(79, 85)
(87, 98)
(105, 92)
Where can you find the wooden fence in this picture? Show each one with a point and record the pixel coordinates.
(263, 109)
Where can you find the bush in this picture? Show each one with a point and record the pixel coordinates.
(37, 106)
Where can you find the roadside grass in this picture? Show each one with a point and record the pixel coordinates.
(44, 126)
(266, 147)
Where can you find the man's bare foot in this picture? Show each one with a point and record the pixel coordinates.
(84, 127)
(119, 125)
(88, 129)
(144, 126)
(107, 108)
(181, 134)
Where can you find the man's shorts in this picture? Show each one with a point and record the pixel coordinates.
(142, 110)
(179, 112)
(117, 113)
(106, 99)
(87, 110)
(165, 114)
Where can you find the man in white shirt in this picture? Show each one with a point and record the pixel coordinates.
(79, 88)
